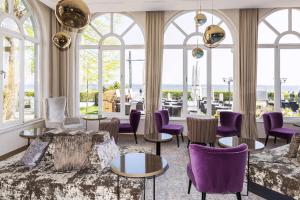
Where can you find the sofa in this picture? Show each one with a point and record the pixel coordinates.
(43, 182)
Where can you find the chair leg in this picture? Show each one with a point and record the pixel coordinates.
(182, 137)
(177, 140)
(203, 195)
(189, 141)
(267, 138)
(190, 185)
(135, 137)
(275, 140)
(288, 140)
(238, 196)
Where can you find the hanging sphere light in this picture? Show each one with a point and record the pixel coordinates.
(62, 40)
(200, 19)
(73, 14)
(213, 36)
(197, 53)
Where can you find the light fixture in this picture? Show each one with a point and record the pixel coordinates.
(62, 40)
(197, 52)
(200, 18)
(213, 34)
(73, 14)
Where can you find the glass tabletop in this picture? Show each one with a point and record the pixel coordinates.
(139, 165)
(93, 117)
(296, 124)
(158, 137)
(235, 141)
(31, 133)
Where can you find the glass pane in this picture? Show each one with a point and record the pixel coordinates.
(172, 82)
(111, 41)
(29, 81)
(296, 20)
(195, 40)
(222, 80)
(186, 22)
(28, 27)
(173, 35)
(290, 39)
(279, 20)
(11, 83)
(20, 8)
(134, 79)
(197, 89)
(88, 82)
(265, 34)
(103, 23)
(290, 88)
(90, 37)
(134, 36)
(228, 36)
(265, 81)
(111, 81)
(121, 23)
(10, 24)
(4, 6)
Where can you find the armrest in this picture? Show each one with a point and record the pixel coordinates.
(71, 120)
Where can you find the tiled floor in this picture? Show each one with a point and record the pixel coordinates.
(173, 184)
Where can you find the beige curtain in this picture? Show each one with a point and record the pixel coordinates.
(63, 69)
(154, 57)
(248, 31)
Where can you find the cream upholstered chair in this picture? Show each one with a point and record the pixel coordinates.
(57, 116)
(112, 127)
(202, 131)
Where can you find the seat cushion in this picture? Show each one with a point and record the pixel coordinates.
(226, 131)
(125, 128)
(172, 129)
(282, 132)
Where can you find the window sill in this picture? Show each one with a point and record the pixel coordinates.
(23, 126)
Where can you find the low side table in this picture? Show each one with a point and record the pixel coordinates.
(93, 118)
(31, 134)
(158, 138)
(139, 165)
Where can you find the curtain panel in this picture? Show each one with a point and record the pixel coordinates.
(154, 59)
(62, 71)
(248, 31)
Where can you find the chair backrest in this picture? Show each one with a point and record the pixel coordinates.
(134, 119)
(267, 123)
(158, 120)
(165, 116)
(218, 170)
(231, 119)
(56, 109)
(202, 130)
(272, 120)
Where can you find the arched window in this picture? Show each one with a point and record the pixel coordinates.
(19, 67)
(196, 86)
(278, 87)
(111, 65)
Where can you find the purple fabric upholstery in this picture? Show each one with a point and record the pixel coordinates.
(163, 126)
(216, 170)
(172, 129)
(165, 116)
(273, 124)
(231, 124)
(132, 126)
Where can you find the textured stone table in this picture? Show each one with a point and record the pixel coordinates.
(273, 170)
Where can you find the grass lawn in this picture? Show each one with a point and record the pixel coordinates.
(90, 110)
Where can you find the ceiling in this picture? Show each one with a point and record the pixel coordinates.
(147, 5)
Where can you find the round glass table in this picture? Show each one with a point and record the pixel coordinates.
(253, 145)
(31, 134)
(139, 165)
(158, 138)
(93, 118)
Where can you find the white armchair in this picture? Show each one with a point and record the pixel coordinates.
(57, 116)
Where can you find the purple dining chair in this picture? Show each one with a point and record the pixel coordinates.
(217, 170)
(132, 126)
(273, 124)
(163, 125)
(231, 123)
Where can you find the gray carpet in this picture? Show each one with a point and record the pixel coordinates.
(173, 184)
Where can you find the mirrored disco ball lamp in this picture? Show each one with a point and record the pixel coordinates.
(200, 18)
(62, 40)
(213, 36)
(197, 53)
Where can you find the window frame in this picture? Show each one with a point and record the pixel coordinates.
(100, 48)
(186, 47)
(22, 37)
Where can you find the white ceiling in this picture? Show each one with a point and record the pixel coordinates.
(147, 5)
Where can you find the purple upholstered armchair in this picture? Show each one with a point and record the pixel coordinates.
(215, 170)
(273, 123)
(132, 126)
(163, 126)
(231, 123)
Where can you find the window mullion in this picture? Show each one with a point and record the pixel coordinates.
(185, 82)
(208, 83)
(22, 78)
(277, 82)
(122, 79)
(1, 81)
(100, 82)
